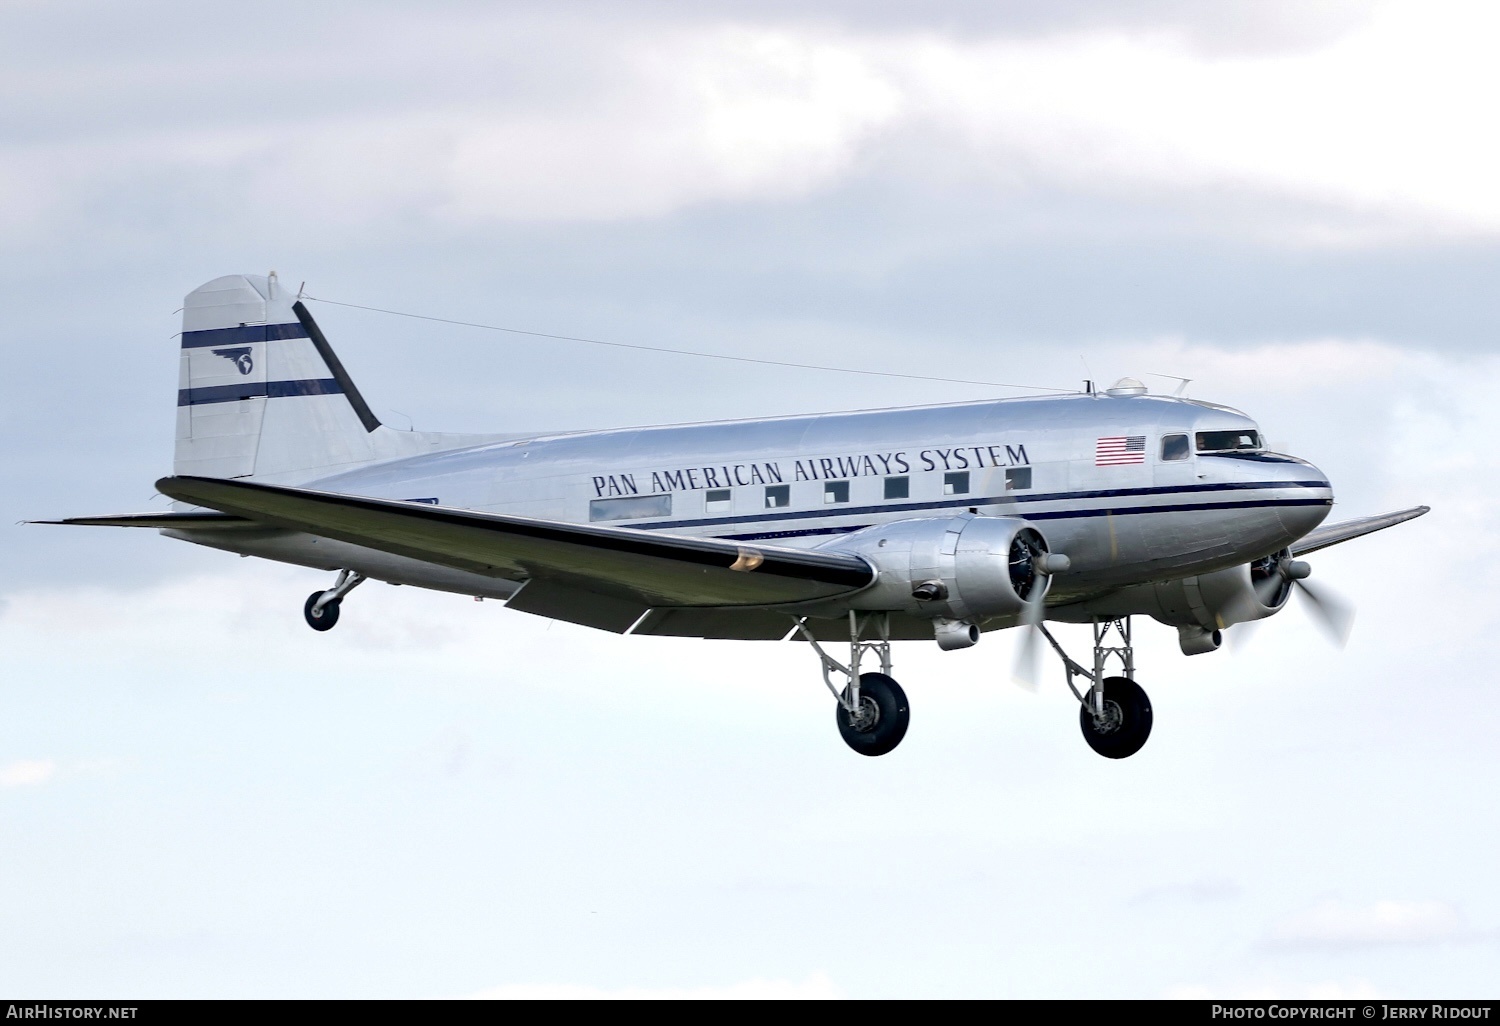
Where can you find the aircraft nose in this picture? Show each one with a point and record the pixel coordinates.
(1308, 497)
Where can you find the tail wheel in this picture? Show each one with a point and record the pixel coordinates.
(320, 619)
(882, 718)
(1126, 723)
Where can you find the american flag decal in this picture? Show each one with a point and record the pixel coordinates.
(1120, 450)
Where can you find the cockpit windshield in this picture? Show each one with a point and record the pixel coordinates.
(1227, 441)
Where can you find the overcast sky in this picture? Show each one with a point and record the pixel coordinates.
(1293, 205)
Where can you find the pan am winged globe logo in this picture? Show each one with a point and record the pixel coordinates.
(240, 357)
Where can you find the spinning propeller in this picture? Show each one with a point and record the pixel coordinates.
(1275, 576)
(1272, 580)
(1028, 565)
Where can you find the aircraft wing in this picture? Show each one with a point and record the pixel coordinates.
(1332, 534)
(604, 577)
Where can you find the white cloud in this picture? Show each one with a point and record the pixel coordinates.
(816, 986)
(679, 118)
(1333, 923)
(27, 772)
(1376, 129)
(733, 115)
(1323, 990)
(1291, 367)
(1380, 122)
(1189, 892)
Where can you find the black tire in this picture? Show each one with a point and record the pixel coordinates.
(1127, 722)
(323, 619)
(887, 716)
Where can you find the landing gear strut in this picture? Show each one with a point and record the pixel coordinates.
(1114, 713)
(872, 713)
(321, 610)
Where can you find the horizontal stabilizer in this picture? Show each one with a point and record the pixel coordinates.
(1332, 534)
(647, 568)
(160, 520)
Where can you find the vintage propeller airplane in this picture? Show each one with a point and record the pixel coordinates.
(934, 522)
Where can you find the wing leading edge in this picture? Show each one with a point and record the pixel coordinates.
(1333, 534)
(610, 575)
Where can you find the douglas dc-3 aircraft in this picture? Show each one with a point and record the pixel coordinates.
(934, 522)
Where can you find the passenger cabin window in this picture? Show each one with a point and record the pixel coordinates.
(718, 501)
(1017, 478)
(778, 496)
(1175, 447)
(835, 491)
(898, 488)
(631, 508)
(1227, 441)
(956, 484)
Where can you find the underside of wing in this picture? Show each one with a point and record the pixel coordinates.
(1332, 534)
(603, 576)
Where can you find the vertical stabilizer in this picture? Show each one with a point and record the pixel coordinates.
(262, 394)
(221, 384)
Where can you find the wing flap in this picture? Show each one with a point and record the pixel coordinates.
(558, 601)
(644, 567)
(724, 624)
(1333, 534)
(903, 627)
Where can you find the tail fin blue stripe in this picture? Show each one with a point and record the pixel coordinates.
(244, 333)
(255, 390)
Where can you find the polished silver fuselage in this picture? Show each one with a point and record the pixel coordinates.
(1037, 459)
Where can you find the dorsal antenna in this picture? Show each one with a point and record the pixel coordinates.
(1182, 383)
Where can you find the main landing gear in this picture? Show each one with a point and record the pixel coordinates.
(872, 713)
(1114, 713)
(321, 610)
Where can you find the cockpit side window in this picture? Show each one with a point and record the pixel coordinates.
(1227, 441)
(1175, 447)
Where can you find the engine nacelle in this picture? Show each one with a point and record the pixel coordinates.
(961, 569)
(1202, 606)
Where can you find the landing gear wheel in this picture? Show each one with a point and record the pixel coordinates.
(1126, 723)
(882, 719)
(321, 619)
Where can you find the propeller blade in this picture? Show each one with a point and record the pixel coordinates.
(1245, 625)
(1026, 671)
(1332, 614)
(1240, 634)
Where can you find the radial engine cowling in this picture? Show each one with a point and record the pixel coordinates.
(962, 568)
(1200, 607)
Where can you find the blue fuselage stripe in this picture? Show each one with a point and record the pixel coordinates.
(1010, 498)
(1062, 514)
(244, 333)
(257, 390)
(1183, 507)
